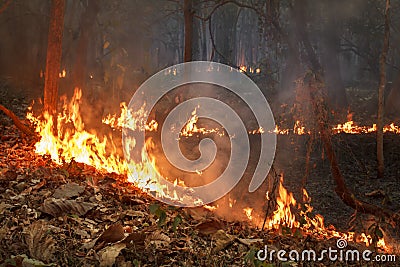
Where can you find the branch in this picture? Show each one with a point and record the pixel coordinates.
(17, 121)
(4, 7)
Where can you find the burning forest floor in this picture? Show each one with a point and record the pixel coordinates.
(72, 215)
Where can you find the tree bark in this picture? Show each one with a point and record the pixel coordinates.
(381, 92)
(188, 16)
(53, 58)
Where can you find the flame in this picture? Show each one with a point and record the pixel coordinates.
(191, 127)
(70, 141)
(130, 120)
(62, 74)
(243, 68)
(284, 217)
(248, 212)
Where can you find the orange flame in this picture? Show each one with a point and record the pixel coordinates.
(191, 127)
(73, 142)
(283, 216)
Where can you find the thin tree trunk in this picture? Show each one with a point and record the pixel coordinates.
(381, 92)
(54, 52)
(188, 15)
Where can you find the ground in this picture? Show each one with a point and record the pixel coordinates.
(72, 215)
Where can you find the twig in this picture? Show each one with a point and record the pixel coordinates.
(272, 196)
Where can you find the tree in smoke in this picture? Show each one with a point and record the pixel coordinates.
(54, 53)
(381, 90)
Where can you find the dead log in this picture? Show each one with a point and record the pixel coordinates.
(17, 122)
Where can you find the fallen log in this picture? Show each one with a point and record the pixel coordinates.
(17, 122)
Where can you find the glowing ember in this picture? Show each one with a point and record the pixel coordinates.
(62, 74)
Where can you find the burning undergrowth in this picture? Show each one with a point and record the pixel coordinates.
(272, 207)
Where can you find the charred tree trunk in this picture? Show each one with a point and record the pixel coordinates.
(53, 58)
(188, 15)
(381, 92)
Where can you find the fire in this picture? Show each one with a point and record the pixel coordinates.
(191, 127)
(130, 120)
(248, 212)
(70, 141)
(243, 68)
(62, 74)
(284, 217)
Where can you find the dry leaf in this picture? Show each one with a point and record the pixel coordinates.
(112, 234)
(110, 253)
(58, 207)
(40, 244)
(249, 242)
(209, 227)
(68, 190)
(158, 239)
(222, 240)
(135, 238)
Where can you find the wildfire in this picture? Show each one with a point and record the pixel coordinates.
(191, 127)
(130, 120)
(284, 217)
(70, 141)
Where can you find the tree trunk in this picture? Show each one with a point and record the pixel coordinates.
(53, 58)
(188, 15)
(381, 92)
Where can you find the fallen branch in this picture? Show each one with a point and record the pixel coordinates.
(18, 123)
